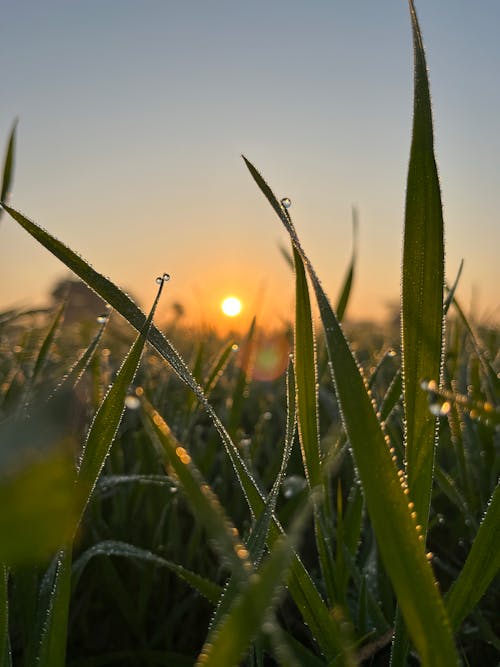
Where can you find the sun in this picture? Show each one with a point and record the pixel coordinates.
(231, 306)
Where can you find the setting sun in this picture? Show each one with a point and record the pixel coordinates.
(231, 306)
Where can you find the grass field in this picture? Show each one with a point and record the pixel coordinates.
(163, 503)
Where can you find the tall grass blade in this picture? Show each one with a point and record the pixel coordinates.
(75, 374)
(481, 566)
(347, 286)
(108, 417)
(8, 167)
(422, 288)
(306, 381)
(398, 539)
(55, 630)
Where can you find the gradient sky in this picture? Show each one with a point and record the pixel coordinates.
(133, 116)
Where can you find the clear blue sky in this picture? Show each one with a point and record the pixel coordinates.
(133, 115)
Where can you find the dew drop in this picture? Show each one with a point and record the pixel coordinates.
(159, 280)
(132, 402)
(102, 318)
(286, 202)
(293, 485)
(440, 519)
(166, 277)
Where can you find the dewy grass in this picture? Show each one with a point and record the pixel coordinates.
(432, 519)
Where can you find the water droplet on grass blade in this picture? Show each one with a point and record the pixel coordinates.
(293, 485)
(166, 277)
(132, 402)
(102, 318)
(286, 202)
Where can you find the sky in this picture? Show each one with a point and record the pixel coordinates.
(133, 117)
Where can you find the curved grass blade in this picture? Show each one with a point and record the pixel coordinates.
(108, 291)
(481, 566)
(422, 288)
(107, 483)
(301, 586)
(205, 587)
(401, 549)
(8, 166)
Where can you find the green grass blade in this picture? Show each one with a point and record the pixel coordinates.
(109, 415)
(205, 587)
(451, 290)
(347, 285)
(55, 630)
(76, 372)
(481, 566)
(47, 341)
(301, 586)
(5, 657)
(387, 503)
(422, 288)
(108, 291)
(8, 167)
(306, 381)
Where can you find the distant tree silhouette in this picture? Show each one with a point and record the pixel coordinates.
(83, 303)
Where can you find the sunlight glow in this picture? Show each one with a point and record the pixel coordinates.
(231, 306)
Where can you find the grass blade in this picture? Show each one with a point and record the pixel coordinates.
(386, 500)
(306, 380)
(208, 589)
(108, 417)
(8, 166)
(5, 657)
(347, 286)
(55, 630)
(481, 566)
(422, 288)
